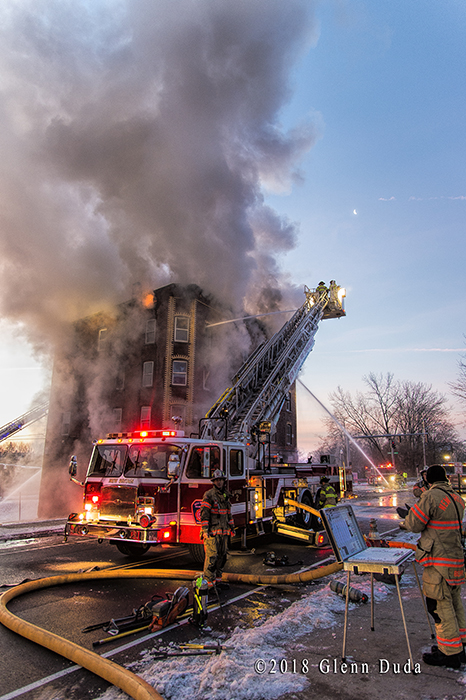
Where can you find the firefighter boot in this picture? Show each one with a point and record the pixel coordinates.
(438, 658)
(462, 654)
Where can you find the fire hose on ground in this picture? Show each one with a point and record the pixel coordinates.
(131, 684)
(124, 679)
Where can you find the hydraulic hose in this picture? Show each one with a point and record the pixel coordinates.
(130, 683)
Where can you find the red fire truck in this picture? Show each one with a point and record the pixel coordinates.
(145, 488)
(383, 475)
(456, 472)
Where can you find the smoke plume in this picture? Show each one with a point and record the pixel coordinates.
(137, 139)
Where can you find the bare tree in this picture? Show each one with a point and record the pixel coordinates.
(412, 412)
(370, 414)
(459, 387)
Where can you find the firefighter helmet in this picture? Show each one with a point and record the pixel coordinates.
(218, 474)
(324, 480)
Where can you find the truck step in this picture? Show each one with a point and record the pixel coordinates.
(298, 533)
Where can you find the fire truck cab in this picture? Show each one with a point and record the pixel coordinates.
(145, 488)
(383, 475)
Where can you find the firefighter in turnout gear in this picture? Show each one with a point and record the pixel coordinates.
(421, 485)
(326, 496)
(322, 291)
(438, 516)
(217, 525)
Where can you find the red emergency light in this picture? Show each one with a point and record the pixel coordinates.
(143, 434)
(168, 534)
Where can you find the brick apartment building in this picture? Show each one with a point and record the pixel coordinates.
(154, 358)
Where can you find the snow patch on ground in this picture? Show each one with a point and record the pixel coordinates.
(10, 544)
(233, 674)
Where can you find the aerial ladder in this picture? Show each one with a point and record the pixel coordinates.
(23, 421)
(261, 386)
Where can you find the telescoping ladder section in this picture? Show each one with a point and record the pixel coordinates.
(23, 421)
(259, 389)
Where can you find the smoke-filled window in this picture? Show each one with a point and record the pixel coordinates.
(180, 372)
(102, 338)
(65, 422)
(117, 418)
(148, 373)
(181, 329)
(150, 331)
(120, 381)
(145, 417)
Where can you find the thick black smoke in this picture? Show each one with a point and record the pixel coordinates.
(136, 138)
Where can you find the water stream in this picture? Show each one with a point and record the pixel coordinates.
(10, 494)
(343, 429)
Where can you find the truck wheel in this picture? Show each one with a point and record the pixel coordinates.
(133, 549)
(197, 552)
(305, 519)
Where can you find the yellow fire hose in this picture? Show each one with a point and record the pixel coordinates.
(302, 506)
(131, 684)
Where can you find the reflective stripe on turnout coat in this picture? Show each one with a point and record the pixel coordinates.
(439, 549)
(216, 518)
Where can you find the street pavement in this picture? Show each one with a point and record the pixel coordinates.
(36, 528)
(376, 665)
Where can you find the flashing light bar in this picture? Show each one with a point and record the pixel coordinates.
(143, 434)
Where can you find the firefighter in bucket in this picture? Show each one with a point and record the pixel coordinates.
(217, 525)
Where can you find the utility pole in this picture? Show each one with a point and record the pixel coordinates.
(393, 454)
(424, 443)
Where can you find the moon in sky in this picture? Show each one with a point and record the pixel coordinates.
(355, 212)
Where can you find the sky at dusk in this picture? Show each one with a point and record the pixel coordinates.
(376, 193)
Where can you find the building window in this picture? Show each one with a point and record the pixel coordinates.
(65, 422)
(150, 331)
(180, 372)
(288, 402)
(120, 381)
(289, 434)
(181, 329)
(145, 417)
(117, 418)
(102, 338)
(148, 373)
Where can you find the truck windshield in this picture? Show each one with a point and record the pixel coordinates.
(152, 460)
(108, 460)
